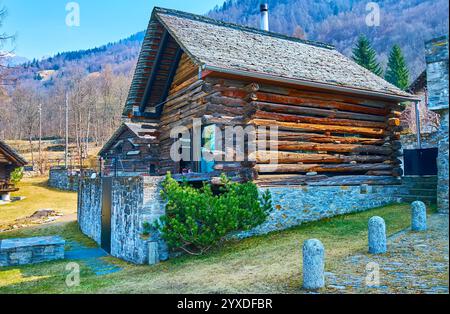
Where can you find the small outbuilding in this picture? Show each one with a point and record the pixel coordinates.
(9, 160)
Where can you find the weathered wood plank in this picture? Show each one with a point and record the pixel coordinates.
(260, 114)
(338, 148)
(264, 157)
(295, 168)
(315, 103)
(328, 113)
(320, 138)
(289, 126)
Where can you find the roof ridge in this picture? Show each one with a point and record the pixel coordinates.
(205, 19)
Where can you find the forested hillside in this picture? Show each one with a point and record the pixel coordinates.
(121, 56)
(407, 23)
(97, 80)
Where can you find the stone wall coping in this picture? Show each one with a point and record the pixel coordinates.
(9, 244)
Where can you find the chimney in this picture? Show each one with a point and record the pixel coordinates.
(264, 17)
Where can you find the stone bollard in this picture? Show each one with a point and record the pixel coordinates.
(377, 236)
(418, 216)
(313, 265)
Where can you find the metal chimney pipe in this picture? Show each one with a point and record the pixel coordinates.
(264, 17)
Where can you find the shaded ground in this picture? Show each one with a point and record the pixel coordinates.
(93, 258)
(266, 264)
(417, 262)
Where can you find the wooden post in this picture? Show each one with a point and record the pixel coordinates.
(40, 138)
(66, 151)
(419, 140)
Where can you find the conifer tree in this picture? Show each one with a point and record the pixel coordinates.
(397, 72)
(366, 56)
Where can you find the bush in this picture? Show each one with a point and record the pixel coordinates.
(16, 175)
(196, 219)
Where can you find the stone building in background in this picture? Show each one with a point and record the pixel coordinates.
(438, 97)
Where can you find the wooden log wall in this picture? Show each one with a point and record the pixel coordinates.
(332, 135)
(329, 134)
(133, 154)
(214, 101)
(185, 102)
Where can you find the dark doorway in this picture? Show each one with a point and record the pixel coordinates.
(106, 213)
(421, 162)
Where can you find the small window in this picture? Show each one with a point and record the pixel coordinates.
(208, 148)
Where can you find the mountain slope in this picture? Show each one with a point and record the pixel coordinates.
(120, 55)
(339, 22)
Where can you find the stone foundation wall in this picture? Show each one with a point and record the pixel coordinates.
(61, 179)
(90, 208)
(135, 201)
(296, 205)
(15, 252)
(66, 180)
(443, 168)
(438, 92)
(429, 140)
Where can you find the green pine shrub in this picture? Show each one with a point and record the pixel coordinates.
(16, 175)
(197, 220)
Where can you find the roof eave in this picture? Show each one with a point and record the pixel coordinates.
(13, 156)
(116, 134)
(357, 91)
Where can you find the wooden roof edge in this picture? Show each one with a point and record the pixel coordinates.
(12, 155)
(208, 70)
(122, 128)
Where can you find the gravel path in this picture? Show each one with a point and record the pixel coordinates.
(415, 263)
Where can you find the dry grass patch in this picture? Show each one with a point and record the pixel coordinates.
(266, 264)
(38, 196)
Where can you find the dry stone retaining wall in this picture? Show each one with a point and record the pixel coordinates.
(15, 252)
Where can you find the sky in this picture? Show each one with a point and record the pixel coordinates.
(43, 28)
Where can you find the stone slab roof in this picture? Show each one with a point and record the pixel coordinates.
(230, 47)
(144, 131)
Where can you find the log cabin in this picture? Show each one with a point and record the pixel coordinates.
(337, 123)
(9, 160)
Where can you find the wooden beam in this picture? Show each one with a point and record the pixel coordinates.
(155, 68)
(172, 72)
(289, 126)
(296, 168)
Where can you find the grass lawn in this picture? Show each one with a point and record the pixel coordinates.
(265, 264)
(38, 196)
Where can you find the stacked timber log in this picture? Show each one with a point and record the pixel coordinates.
(336, 137)
(327, 134)
(332, 135)
(135, 149)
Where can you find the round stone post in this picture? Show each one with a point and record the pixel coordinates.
(418, 216)
(313, 265)
(377, 236)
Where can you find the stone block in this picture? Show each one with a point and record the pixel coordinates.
(313, 265)
(377, 236)
(418, 216)
(14, 252)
